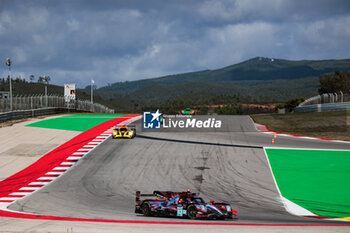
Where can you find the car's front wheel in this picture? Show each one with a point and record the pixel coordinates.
(192, 212)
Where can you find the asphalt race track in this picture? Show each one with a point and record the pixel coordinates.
(223, 166)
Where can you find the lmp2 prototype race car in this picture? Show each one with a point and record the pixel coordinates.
(182, 204)
(124, 131)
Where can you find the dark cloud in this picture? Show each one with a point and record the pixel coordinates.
(110, 41)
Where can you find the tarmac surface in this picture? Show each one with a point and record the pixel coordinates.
(223, 166)
(21, 146)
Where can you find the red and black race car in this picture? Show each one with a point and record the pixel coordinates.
(182, 204)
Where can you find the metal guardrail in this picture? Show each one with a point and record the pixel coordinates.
(32, 106)
(14, 115)
(325, 102)
(323, 107)
(327, 98)
(45, 102)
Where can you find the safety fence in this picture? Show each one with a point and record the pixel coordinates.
(323, 107)
(325, 102)
(14, 115)
(43, 102)
(327, 98)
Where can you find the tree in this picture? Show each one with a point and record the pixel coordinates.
(40, 79)
(44, 79)
(31, 77)
(202, 110)
(330, 83)
(230, 109)
(292, 103)
(279, 105)
(48, 79)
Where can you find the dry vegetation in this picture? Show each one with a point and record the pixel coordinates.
(331, 125)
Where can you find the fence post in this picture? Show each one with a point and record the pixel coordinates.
(342, 97)
(40, 101)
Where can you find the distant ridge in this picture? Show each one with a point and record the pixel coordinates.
(260, 76)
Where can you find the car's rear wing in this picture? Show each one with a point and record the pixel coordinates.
(139, 195)
(159, 195)
(127, 125)
(162, 195)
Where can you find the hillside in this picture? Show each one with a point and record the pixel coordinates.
(275, 78)
(258, 80)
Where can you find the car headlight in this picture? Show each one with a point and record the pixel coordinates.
(114, 133)
(130, 133)
(228, 208)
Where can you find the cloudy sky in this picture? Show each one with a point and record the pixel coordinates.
(111, 40)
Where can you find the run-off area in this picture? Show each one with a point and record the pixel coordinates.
(317, 180)
(76, 122)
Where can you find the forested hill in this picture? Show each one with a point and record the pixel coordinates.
(276, 78)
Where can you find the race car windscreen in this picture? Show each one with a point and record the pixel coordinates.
(198, 200)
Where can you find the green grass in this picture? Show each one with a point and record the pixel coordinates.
(78, 122)
(317, 180)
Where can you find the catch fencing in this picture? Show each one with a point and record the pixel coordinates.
(325, 102)
(20, 103)
(327, 98)
(323, 107)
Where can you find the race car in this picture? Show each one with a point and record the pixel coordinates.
(124, 131)
(182, 204)
(187, 111)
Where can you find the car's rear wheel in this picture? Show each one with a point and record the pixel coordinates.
(146, 209)
(192, 212)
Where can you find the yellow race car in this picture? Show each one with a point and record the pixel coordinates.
(124, 131)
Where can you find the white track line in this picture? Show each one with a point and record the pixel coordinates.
(54, 173)
(30, 188)
(39, 183)
(61, 168)
(9, 198)
(79, 153)
(93, 143)
(289, 206)
(46, 178)
(67, 163)
(73, 158)
(20, 193)
(294, 148)
(84, 149)
(259, 127)
(97, 140)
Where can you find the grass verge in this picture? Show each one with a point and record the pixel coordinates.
(76, 122)
(316, 180)
(331, 125)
